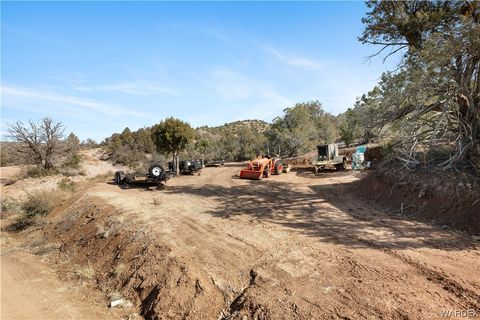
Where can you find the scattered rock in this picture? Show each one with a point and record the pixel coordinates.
(121, 303)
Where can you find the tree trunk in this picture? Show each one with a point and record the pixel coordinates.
(48, 163)
(177, 164)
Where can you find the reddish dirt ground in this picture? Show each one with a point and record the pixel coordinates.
(31, 290)
(295, 246)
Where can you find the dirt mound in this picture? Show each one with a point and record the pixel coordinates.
(130, 262)
(443, 199)
(160, 283)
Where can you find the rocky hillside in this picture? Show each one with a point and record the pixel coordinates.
(256, 125)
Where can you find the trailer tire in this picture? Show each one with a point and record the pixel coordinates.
(278, 168)
(341, 166)
(119, 177)
(156, 171)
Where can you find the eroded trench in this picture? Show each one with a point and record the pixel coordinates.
(129, 260)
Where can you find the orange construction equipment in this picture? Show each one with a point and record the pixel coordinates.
(262, 167)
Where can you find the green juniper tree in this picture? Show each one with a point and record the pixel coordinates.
(171, 136)
(434, 96)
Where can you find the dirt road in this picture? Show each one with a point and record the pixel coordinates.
(30, 289)
(303, 246)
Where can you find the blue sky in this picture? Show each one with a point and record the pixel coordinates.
(101, 66)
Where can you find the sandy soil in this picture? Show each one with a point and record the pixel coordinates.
(93, 166)
(30, 290)
(90, 165)
(295, 246)
(10, 172)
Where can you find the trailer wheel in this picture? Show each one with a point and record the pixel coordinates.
(341, 166)
(156, 171)
(119, 176)
(278, 168)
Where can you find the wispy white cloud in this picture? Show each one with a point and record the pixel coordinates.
(247, 97)
(23, 97)
(130, 88)
(235, 86)
(243, 41)
(218, 34)
(294, 60)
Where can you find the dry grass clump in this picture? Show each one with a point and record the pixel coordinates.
(37, 171)
(85, 272)
(66, 184)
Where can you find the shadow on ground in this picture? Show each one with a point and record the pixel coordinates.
(329, 212)
(138, 185)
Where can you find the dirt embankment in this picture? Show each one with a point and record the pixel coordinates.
(127, 260)
(442, 199)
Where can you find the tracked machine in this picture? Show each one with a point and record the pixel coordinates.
(262, 167)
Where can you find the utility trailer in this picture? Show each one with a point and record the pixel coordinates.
(328, 157)
(156, 175)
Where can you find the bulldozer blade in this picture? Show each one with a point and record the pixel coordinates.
(249, 174)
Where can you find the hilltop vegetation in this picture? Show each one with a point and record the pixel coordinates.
(298, 130)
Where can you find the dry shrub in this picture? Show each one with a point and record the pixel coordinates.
(70, 172)
(40, 203)
(37, 171)
(65, 184)
(11, 206)
(36, 205)
(73, 161)
(85, 272)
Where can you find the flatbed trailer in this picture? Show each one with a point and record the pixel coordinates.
(156, 175)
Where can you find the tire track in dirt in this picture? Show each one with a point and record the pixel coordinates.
(441, 279)
(438, 278)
